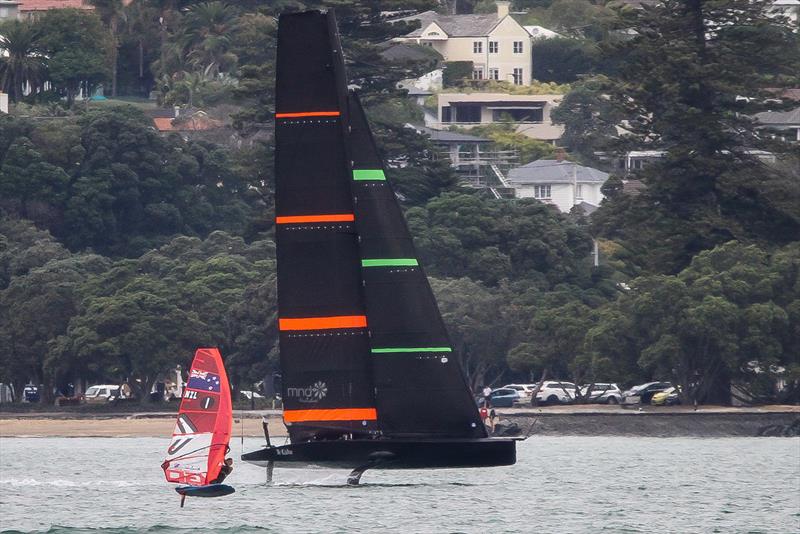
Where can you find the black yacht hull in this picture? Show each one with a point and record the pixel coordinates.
(391, 453)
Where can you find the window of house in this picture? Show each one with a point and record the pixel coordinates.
(477, 47)
(427, 43)
(517, 76)
(518, 47)
(579, 191)
(494, 47)
(494, 74)
(467, 113)
(518, 115)
(541, 191)
(446, 114)
(636, 164)
(477, 74)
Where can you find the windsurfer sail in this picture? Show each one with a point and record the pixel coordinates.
(202, 431)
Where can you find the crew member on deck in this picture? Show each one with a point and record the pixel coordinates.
(224, 471)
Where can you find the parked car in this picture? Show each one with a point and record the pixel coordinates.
(602, 393)
(643, 393)
(31, 394)
(668, 397)
(101, 394)
(556, 392)
(501, 398)
(525, 391)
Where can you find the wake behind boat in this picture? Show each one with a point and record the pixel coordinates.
(196, 454)
(370, 378)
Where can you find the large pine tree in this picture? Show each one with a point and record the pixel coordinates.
(687, 84)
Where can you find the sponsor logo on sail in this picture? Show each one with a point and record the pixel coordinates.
(313, 393)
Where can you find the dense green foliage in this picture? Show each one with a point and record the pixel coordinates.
(121, 250)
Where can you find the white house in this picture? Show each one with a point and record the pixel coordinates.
(497, 45)
(562, 183)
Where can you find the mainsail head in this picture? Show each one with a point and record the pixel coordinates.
(203, 427)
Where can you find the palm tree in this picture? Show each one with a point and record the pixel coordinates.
(21, 62)
(206, 35)
(111, 12)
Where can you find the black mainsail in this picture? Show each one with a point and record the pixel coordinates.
(369, 373)
(324, 346)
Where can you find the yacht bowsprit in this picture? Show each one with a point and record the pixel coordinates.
(370, 378)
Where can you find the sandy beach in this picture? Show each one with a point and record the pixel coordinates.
(124, 426)
(554, 420)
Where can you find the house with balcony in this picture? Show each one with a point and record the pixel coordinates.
(496, 44)
(529, 113)
(782, 124)
(562, 183)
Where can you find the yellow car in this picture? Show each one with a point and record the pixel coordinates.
(668, 397)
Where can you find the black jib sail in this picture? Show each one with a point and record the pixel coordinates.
(364, 351)
(420, 387)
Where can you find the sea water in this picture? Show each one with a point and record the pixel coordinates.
(559, 484)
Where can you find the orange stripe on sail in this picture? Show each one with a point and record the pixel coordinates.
(331, 217)
(337, 414)
(323, 323)
(307, 114)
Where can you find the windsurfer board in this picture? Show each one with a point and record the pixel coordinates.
(211, 490)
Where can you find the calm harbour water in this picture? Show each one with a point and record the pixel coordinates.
(560, 484)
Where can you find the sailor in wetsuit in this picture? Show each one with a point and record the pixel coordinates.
(224, 471)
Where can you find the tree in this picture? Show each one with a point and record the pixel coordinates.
(488, 240)
(676, 88)
(24, 175)
(563, 60)
(22, 62)
(477, 321)
(78, 48)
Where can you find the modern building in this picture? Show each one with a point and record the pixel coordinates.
(530, 113)
(783, 124)
(562, 183)
(496, 44)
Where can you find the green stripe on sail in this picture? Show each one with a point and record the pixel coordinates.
(389, 262)
(411, 349)
(368, 174)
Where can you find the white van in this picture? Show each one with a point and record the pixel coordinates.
(101, 394)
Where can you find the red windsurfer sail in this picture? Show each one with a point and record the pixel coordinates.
(203, 428)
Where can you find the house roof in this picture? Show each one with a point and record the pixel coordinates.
(445, 136)
(460, 25)
(540, 32)
(552, 171)
(425, 17)
(633, 187)
(44, 5)
(195, 122)
(587, 208)
(779, 118)
(409, 52)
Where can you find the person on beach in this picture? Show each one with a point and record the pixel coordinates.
(224, 471)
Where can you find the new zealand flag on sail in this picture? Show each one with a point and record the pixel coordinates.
(204, 381)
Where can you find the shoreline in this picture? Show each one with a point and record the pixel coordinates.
(585, 420)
